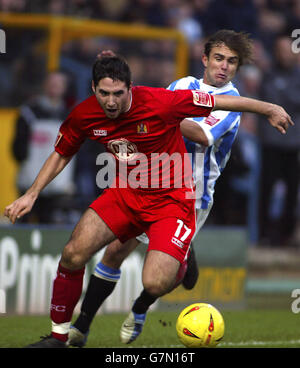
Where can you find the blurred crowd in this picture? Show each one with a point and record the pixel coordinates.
(261, 158)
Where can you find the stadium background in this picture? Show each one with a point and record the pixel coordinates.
(162, 41)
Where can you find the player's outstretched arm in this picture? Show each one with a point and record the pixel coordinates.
(276, 115)
(51, 168)
(193, 132)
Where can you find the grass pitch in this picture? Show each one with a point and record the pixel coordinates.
(266, 328)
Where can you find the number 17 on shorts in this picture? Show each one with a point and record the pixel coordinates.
(181, 233)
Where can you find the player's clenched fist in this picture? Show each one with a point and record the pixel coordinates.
(19, 207)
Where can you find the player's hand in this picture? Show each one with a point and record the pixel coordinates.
(106, 53)
(279, 118)
(19, 207)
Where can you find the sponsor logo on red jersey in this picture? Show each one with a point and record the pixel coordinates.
(100, 132)
(202, 99)
(123, 149)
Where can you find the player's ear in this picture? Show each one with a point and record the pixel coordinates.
(205, 60)
(93, 87)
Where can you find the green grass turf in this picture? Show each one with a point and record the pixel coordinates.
(243, 328)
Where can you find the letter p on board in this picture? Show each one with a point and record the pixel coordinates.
(2, 301)
(2, 42)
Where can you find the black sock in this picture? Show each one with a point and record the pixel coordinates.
(98, 290)
(143, 302)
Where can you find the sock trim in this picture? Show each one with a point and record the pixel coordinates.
(61, 328)
(66, 273)
(107, 273)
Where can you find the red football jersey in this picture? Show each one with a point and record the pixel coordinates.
(146, 140)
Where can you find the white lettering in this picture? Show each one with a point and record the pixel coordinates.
(296, 303)
(164, 169)
(26, 280)
(9, 255)
(2, 301)
(2, 41)
(296, 42)
(121, 358)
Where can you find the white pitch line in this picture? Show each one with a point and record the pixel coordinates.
(240, 344)
(259, 343)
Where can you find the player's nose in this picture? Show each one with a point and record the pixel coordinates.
(110, 101)
(224, 65)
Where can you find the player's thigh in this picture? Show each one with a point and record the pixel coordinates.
(116, 252)
(159, 272)
(89, 236)
(169, 241)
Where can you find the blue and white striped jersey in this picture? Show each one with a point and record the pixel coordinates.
(220, 128)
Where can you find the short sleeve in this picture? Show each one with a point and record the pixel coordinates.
(180, 104)
(70, 137)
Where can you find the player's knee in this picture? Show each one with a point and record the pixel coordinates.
(159, 273)
(156, 286)
(72, 258)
